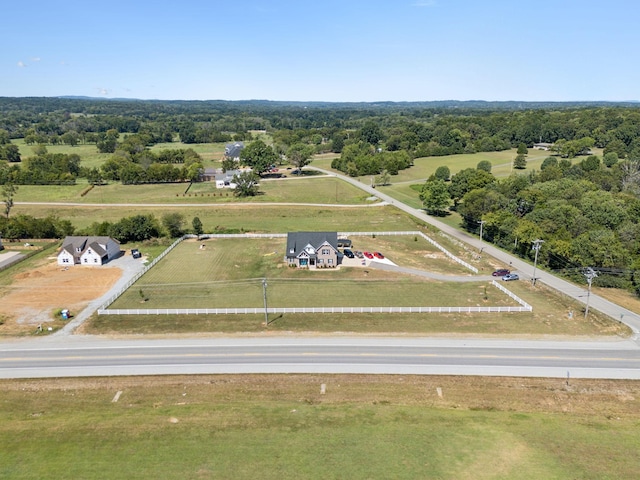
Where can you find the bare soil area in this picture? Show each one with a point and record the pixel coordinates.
(34, 296)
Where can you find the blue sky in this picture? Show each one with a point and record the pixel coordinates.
(349, 50)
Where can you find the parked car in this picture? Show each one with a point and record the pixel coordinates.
(501, 272)
(369, 255)
(510, 276)
(378, 255)
(359, 254)
(348, 253)
(135, 253)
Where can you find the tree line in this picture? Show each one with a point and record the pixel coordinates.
(587, 212)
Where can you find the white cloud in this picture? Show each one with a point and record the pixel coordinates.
(424, 3)
(103, 91)
(21, 64)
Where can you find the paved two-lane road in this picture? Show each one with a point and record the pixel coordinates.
(89, 356)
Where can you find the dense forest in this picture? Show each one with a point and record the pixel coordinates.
(585, 207)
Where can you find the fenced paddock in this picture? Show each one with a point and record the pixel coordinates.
(225, 276)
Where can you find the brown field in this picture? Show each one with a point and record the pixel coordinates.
(33, 296)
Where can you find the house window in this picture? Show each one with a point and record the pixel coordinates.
(95, 260)
(330, 261)
(320, 261)
(325, 251)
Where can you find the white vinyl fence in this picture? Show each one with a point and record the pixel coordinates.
(104, 310)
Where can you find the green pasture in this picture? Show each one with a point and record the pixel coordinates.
(322, 190)
(280, 427)
(248, 218)
(89, 155)
(211, 153)
(228, 273)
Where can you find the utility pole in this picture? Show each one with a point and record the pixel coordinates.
(536, 247)
(590, 274)
(481, 222)
(264, 294)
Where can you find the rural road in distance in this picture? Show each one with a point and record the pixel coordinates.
(525, 269)
(82, 356)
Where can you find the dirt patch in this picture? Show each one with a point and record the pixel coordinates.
(33, 296)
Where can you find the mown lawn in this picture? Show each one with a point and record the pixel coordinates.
(281, 427)
(228, 273)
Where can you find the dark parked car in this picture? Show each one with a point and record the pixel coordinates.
(348, 253)
(511, 276)
(135, 253)
(501, 272)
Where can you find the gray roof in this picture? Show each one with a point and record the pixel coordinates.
(77, 245)
(232, 150)
(298, 241)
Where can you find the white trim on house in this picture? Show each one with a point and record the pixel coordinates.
(88, 250)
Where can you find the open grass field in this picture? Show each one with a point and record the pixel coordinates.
(227, 273)
(254, 218)
(211, 153)
(400, 187)
(322, 190)
(282, 427)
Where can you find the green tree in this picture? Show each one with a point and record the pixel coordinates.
(466, 180)
(8, 192)
(549, 162)
(299, 154)
(40, 149)
(337, 143)
(174, 223)
(443, 173)
(108, 141)
(522, 149)
(476, 203)
(484, 165)
(259, 156)
(196, 223)
(520, 162)
(591, 163)
(384, 178)
(10, 153)
(70, 138)
(610, 159)
(246, 184)
(370, 133)
(435, 197)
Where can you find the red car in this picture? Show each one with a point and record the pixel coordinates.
(368, 255)
(501, 272)
(378, 255)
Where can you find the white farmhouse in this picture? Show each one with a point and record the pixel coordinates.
(88, 250)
